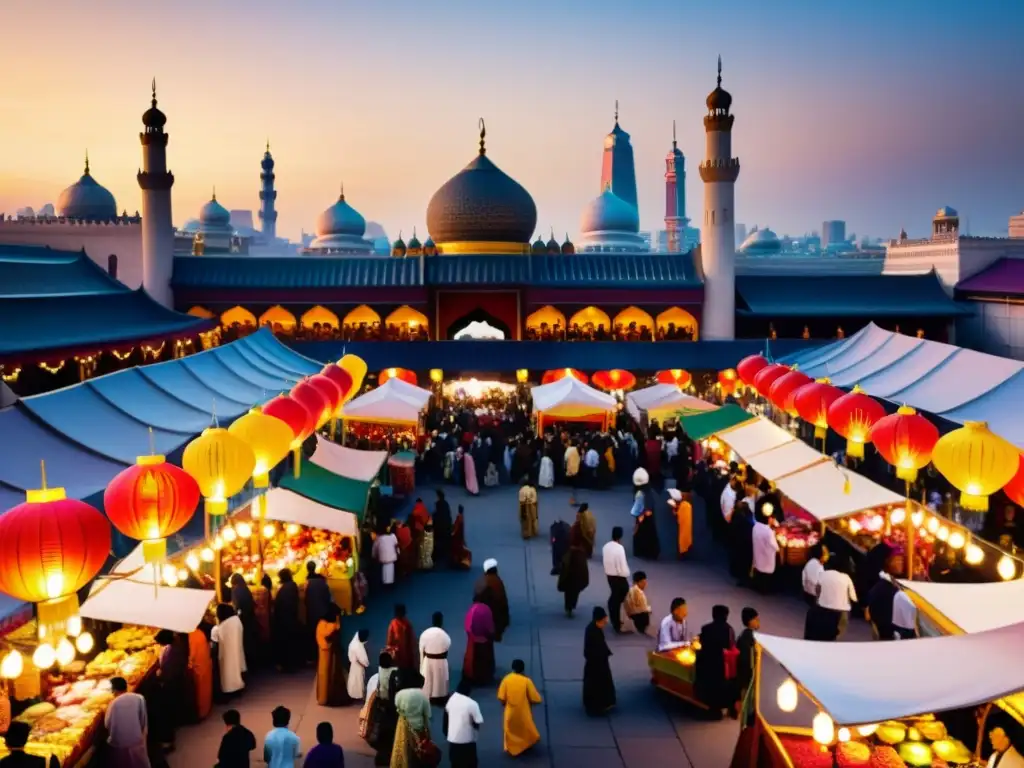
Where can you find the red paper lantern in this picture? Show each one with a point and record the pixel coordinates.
(764, 378)
(783, 388)
(905, 439)
(812, 401)
(50, 547)
(314, 401)
(727, 381)
(327, 387)
(339, 376)
(676, 376)
(294, 414)
(749, 367)
(151, 501)
(1014, 489)
(403, 374)
(613, 379)
(852, 416)
(561, 373)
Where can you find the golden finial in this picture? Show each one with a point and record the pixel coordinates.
(341, 197)
(719, 70)
(87, 162)
(215, 193)
(483, 135)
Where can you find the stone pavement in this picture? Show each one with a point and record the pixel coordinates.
(646, 728)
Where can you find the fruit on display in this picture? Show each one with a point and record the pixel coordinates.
(37, 711)
(952, 751)
(806, 753)
(891, 732)
(932, 730)
(795, 532)
(886, 757)
(853, 753)
(916, 754)
(892, 744)
(131, 639)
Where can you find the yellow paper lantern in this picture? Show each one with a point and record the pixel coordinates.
(221, 463)
(788, 695)
(436, 375)
(522, 375)
(355, 367)
(823, 729)
(270, 440)
(976, 462)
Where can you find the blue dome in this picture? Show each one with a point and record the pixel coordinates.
(87, 200)
(340, 219)
(192, 225)
(213, 213)
(610, 213)
(946, 212)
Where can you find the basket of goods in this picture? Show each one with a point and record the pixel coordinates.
(796, 537)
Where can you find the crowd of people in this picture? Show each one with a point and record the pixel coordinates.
(631, 331)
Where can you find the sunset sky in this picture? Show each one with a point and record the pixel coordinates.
(877, 112)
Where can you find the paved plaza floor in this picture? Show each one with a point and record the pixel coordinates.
(646, 728)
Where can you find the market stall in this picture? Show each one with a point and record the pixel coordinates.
(756, 436)
(954, 609)
(395, 407)
(569, 399)
(664, 401)
(348, 462)
(674, 671)
(817, 705)
(784, 460)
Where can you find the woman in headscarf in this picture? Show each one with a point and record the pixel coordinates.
(331, 683)
(598, 685)
(683, 511)
(442, 529)
(491, 591)
(646, 545)
(575, 574)
(286, 629)
(478, 663)
(358, 663)
(228, 636)
(413, 728)
(462, 556)
(527, 509)
(245, 606)
(741, 544)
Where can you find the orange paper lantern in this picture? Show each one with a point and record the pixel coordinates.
(676, 376)
(1014, 489)
(613, 379)
(783, 388)
(727, 381)
(852, 416)
(764, 378)
(906, 440)
(749, 367)
(561, 373)
(812, 401)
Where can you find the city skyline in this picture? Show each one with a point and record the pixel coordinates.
(857, 114)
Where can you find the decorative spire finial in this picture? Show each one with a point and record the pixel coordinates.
(268, 145)
(215, 193)
(719, 70)
(341, 197)
(616, 111)
(674, 145)
(87, 162)
(483, 136)
(154, 91)
(552, 233)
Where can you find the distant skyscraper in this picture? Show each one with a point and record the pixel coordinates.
(268, 215)
(617, 170)
(832, 233)
(741, 233)
(675, 196)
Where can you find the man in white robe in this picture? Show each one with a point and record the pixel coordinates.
(230, 649)
(385, 552)
(434, 645)
(358, 661)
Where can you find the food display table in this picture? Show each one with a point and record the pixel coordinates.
(673, 672)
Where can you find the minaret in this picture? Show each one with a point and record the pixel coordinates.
(157, 225)
(718, 232)
(675, 196)
(617, 169)
(267, 214)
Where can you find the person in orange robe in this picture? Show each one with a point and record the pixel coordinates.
(200, 669)
(406, 549)
(401, 640)
(683, 510)
(518, 693)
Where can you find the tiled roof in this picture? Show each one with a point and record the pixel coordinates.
(1004, 278)
(612, 270)
(846, 296)
(294, 272)
(39, 271)
(477, 270)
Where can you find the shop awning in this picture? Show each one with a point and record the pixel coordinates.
(860, 683)
(284, 506)
(787, 459)
(570, 398)
(664, 400)
(325, 487)
(757, 436)
(393, 402)
(702, 425)
(827, 492)
(348, 462)
(974, 607)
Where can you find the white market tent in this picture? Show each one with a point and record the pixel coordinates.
(954, 383)
(348, 462)
(787, 459)
(284, 506)
(570, 398)
(821, 490)
(756, 436)
(393, 402)
(973, 607)
(861, 683)
(664, 400)
(132, 598)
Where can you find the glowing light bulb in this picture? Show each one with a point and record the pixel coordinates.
(54, 585)
(788, 695)
(854, 526)
(349, 563)
(218, 543)
(74, 626)
(942, 534)
(768, 509)
(916, 518)
(933, 525)
(867, 730)
(182, 574)
(897, 516)
(973, 489)
(823, 729)
(44, 656)
(957, 540)
(291, 529)
(192, 561)
(12, 666)
(1006, 568)
(65, 652)
(229, 534)
(974, 555)
(207, 555)
(843, 735)
(170, 575)
(269, 531)
(244, 530)
(84, 643)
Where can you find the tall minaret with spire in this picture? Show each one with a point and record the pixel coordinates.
(267, 214)
(618, 172)
(675, 196)
(157, 224)
(719, 171)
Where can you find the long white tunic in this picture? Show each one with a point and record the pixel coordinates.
(358, 662)
(434, 641)
(546, 479)
(230, 654)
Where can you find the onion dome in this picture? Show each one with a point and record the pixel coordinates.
(539, 247)
(429, 249)
(719, 100)
(414, 244)
(761, 241)
(340, 219)
(87, 200)
(398, 247)
(153, 118)
(214, 214)
(567, 247)
(481, 204)
(609, 213)
(553, 247)
(192, 225)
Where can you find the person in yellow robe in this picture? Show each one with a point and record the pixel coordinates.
(200, 669)
(683, 510)
(518, 693)
(331, 683)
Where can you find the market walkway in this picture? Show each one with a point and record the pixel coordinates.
(647, 728)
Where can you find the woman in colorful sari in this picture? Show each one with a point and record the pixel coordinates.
(462, 557)
(413, 708)
(469, 465)
(478, 663)
(200, 672)
(528, 510)
(331, 684)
